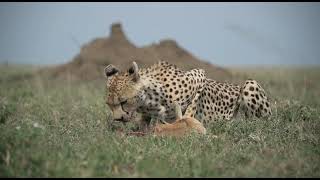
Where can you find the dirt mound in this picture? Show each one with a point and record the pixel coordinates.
(118, 50)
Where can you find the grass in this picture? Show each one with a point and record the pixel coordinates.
(51, 128)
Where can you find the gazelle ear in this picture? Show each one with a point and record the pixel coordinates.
(110, 70)
(134, 71)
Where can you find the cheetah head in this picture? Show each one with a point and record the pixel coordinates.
(123, 91)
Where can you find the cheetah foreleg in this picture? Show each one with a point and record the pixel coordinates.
(192, 108)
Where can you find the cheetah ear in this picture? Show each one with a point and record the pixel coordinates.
(134, 71)
(110, 70)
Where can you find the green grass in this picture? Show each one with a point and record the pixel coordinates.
(51, 128)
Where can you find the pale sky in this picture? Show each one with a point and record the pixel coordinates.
(224, 33)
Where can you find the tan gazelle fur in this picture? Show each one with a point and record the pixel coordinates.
(182, 126)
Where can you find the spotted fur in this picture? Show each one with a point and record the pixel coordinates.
(153, 92)
(223, 101)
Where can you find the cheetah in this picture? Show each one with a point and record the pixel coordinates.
(154, 91)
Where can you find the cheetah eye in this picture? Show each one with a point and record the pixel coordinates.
(124, 102)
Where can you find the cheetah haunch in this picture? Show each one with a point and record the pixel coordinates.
(154, 91)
